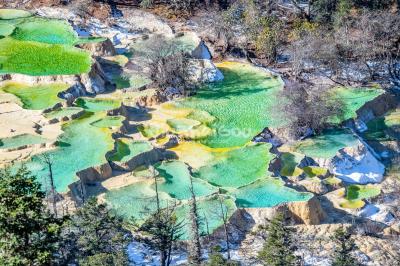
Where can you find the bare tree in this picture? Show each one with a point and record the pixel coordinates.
(307, 110)
(167, 64)
(52, 193)
(222, 213)
(194, 244)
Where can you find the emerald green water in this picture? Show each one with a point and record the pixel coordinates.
(39, 46)
(13, 14)
(242, 103)
(127, 149)
(21, 140)
(82, 145)
(238, 167)
(354, 99)
(267, 193)
(36, 97)
(62, 112)
(6, 29)
(109, 121)
(327, 144)
(137, 200)
(176, 183)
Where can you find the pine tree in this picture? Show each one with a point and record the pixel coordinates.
(95, 235)
(217, 259)
(163, 227)
(344, 246)
(28, 232)
(278, 249)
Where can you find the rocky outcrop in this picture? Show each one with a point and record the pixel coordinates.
(203, 71)
(378, 107)
(357, 165)
(95, 174)
(316, 187)
(105, 48)
(149, 157)
(300, 212)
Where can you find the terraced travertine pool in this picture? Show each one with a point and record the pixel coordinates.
(218, 124)
(216, 127)
(82, 145)
(39, 46)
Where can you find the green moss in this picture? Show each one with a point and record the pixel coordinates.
(359, 192)
(39, 59)
(313, 171)
(352, 204)
(332, 181)
(37, 97)
(13, 13)
(289, 164)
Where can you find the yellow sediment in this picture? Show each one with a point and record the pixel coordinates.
(197, 155)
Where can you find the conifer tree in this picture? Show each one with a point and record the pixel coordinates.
(344, 247)
(278, 249)
(28, 232)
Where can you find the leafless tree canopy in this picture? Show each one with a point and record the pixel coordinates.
(167, 64)
(307, 110)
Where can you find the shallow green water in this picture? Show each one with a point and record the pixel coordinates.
(13, 14)
(79, 147)
(127, 149)
(242, 103)
(327, 144)
(238, 167)
(209, 213)
(109, 121)
(62, 112)
(137, 200)
(39, 46)
(267, 193)
(354, 99)
(39, 59)
(21, 140)
(46, 31)
(176, 183)
(36, 97)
